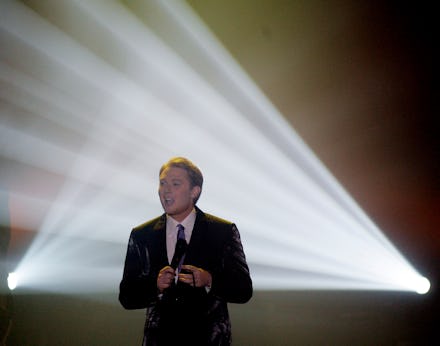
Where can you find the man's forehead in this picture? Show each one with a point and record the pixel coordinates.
(174, 173)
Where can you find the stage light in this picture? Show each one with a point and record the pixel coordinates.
(12, 281)
(90, 109)
(423, 285)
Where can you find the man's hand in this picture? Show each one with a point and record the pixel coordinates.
(196, 277)
(165, 278)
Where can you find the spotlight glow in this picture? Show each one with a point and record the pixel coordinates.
(12, 281)
(422, 285)
(91, 108)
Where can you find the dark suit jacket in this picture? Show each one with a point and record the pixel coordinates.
(215, 246)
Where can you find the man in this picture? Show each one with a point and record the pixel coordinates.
(186, 283)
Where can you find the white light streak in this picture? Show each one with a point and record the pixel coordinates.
(91, 108)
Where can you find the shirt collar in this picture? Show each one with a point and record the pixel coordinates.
(188, 222)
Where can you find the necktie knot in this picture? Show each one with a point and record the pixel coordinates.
(180, 232)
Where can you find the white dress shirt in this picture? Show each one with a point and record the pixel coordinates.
(171, 230)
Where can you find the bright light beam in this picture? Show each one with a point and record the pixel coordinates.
(95, 106)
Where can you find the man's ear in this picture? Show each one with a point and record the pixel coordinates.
(195, 192)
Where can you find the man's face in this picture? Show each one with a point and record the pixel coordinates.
(175, 193)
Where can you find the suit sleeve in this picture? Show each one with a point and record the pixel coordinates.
(232, 282)
(138, 288)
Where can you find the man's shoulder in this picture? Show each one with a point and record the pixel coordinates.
(217, 228)
(152, 224)
(216, 219)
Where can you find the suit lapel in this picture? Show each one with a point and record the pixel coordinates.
(196, 242)
(159, 242)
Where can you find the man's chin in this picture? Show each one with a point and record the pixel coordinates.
(170, 211)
